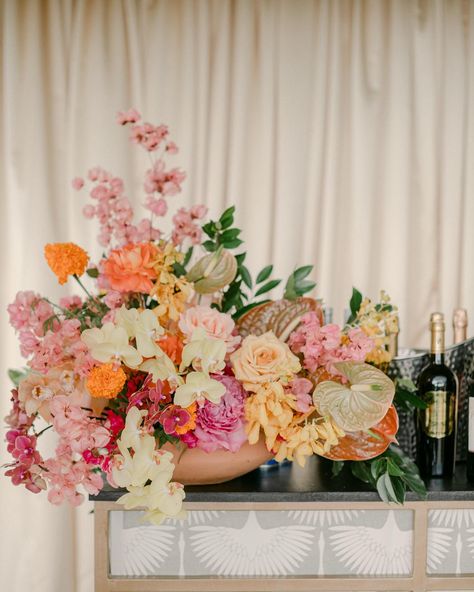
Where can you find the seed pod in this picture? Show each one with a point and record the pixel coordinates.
(213, 272)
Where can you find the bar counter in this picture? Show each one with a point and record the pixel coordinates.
(287, 528)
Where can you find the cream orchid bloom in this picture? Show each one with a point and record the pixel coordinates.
(144, 465)
(130, 436)
(110, 344)
(135, 498)
(147, 331)
(142, 326)
(204, 353)
(165, 497)
(161, 367)
(127, 318)
(198, 386)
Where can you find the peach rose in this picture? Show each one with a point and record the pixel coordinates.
(262, 359)
(215, 324)
(130, 269)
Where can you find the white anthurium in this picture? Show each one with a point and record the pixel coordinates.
(161, 367)
(131, 433)
(361, 403)
(147, 331)
(204, 353)
(198, 386)
(127, 318)
(110, 344)
(164, 496)
(145, 464)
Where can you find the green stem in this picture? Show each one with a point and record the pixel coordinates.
(43, 430)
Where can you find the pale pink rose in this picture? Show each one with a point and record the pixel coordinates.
(77, 183)
(215, 324)
(262, 359)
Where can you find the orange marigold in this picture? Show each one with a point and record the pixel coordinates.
(66, 259)
(106, 381)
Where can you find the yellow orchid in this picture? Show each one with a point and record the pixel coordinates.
(110, 344)
(198, 386)
(206, 354)
(301, 441)
(164, 496)
(143, 326)
(272, 409)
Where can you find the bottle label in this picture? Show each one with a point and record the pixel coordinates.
(440, 413)
(471, 425)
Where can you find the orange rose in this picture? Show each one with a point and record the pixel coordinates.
(130, 269)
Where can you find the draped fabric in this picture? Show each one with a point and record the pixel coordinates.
(342, 130)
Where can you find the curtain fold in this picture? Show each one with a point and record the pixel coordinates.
(342, 130)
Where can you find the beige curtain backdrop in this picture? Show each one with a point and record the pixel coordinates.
(342, 130)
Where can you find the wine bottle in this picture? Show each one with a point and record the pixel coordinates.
(436, 425)
(470, 437)
(459, 325)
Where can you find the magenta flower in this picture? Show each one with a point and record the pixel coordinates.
(174, 417)
(222, 426)
(22, 448)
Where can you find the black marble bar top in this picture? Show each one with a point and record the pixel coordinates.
(313, 483)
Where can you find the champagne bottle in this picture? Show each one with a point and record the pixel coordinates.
(470, 437)
(459, 325)
(436, 425)
(392, 331)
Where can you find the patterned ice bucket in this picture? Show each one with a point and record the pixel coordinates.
(460, 358)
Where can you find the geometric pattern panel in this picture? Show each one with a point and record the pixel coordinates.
(235, 543)
(450, 542)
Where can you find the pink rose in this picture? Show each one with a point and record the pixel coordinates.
(215, 324)
(221, 426)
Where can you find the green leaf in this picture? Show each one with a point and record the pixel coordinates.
(246, 277)
(188, 256)
(227, 217)
(382, 489)
(377, 467)
(178, 269)
(232, 244)
(302, 272)
(355, 302)
(210, 229)
(229, 235)
(290, 288)
(361, 471)
(264, 274)
(400, 490)
(337, 466)
(267, 287)
(93, 272)
(16, 376)
(393, 469)
(240, 258)
(389, 487)
(241, 311)
(304, 286)
(209, 245)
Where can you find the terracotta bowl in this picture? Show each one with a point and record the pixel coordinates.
(196, 467)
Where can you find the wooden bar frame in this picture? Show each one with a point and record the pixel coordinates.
(418, 581)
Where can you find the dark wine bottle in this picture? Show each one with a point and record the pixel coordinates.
(470, 438)
(436, 425)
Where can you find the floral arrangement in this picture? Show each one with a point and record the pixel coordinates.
(153, 360)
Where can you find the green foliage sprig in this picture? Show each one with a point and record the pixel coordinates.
(392, 474)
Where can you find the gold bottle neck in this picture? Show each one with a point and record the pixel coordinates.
(459, 325)
(437, 333)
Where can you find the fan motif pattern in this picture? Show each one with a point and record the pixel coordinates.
(278, 543)
(450, 542)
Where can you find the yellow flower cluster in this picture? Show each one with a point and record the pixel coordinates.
(273, 410)
(313, 437)
(170, 291)
(378, 320)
